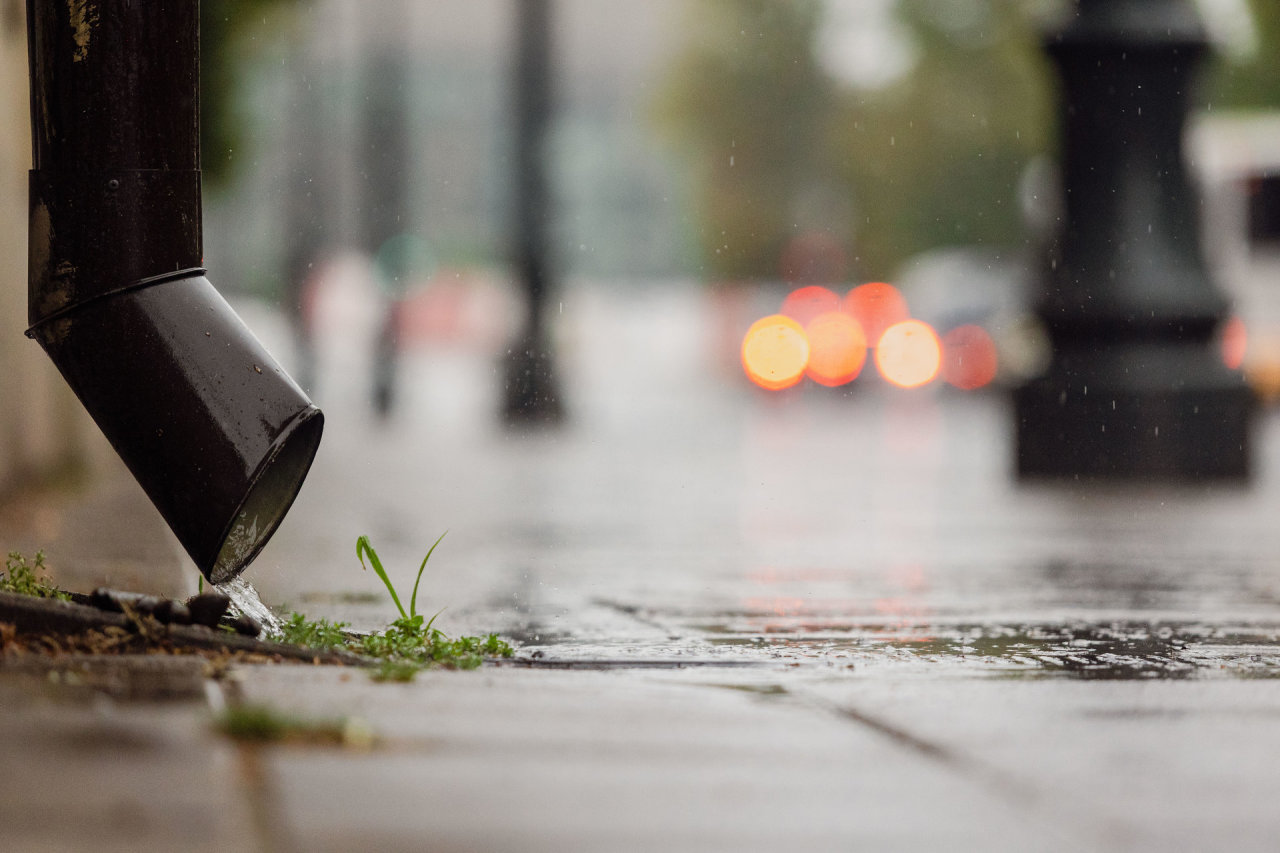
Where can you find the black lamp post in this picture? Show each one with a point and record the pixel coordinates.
(1135, 388)
(217, 434)
(386, 169)
(532, 393)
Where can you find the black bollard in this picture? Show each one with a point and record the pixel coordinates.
(216, 433)
(1135, 388)
(531, 392)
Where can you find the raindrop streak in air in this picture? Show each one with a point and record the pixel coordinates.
(244, 598)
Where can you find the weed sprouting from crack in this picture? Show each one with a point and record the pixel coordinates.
(363, 547)
(409, 644)
(314, 633)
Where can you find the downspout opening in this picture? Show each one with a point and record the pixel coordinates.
(272, 491)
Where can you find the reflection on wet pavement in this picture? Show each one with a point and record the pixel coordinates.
(1104, 649)
(1116, 650)
(682, 519)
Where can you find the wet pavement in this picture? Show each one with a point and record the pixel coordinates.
(748, 621)
(682, 514)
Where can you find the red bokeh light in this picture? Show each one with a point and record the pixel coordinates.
(1235, 343)
(805, 303)
(877, 306)
(969, 359)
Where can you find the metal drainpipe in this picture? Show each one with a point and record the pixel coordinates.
(213, 429)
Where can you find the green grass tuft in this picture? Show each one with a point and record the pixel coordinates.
(408, 645)
(396, 670)
(263, 724)
(313, 633)
(28, 579)
(411, 644)
(364, 548)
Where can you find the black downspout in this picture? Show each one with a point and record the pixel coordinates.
(216, 433)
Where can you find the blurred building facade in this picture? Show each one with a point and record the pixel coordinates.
(43, 431)
(619, 208)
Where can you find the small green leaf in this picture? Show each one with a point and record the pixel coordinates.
(409, 644)
(413, 599)
(432, 621)
(363, 547)
(316, 634)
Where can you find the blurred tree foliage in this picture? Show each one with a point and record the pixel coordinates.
(932, 159)
(229, 30)
(1253, 81)
(936, 158)
(749, 103)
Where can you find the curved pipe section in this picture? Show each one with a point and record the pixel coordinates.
(213, 429)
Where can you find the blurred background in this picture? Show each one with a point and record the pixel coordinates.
(736, 149)
(741, 149)
(703, 160)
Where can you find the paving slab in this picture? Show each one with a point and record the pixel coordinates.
(1144, 764)
(534, 760)
(86, 771)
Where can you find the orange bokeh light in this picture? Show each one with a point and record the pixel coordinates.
(969, 359)
(909, 354)
(837, 348)
(1235, 342)
(775, 352)
(877, 306)
(805, 303)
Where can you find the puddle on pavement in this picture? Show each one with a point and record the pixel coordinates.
(1115, 646)
(1112, 650)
